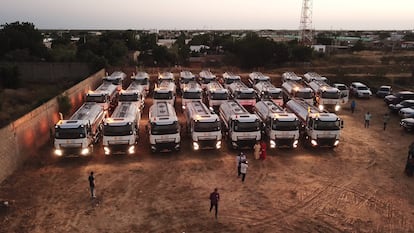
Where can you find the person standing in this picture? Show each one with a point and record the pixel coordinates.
(214, 199)
(386, 118)
(257, 150)
(91, 179)
(263, 150)
(243, 169)
(367, 119)
(242, 157)
(353, 105)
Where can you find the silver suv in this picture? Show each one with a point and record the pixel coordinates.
(360, 90)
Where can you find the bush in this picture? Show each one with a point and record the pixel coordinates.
(64, 104)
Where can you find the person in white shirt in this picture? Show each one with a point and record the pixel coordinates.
(243, 169)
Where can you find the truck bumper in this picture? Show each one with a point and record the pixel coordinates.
(167, 146)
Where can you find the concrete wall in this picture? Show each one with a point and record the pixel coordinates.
(23, 137)
(51, 72)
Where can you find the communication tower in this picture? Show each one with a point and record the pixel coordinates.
(305, 29)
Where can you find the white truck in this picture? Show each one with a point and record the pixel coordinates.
(121, 130)
(313, 76)
(134, 93)
(244, 95)
(190, 91)
(142, 79)
(229, 78)
(77, 135)
(186, 77)
(319, 129)
(257, 77)
(242, 128)
(292, 89)
(165, 91)
(166, 76)
(291, 76)
(215, 95)
(106, 95)
(206, 77)
(326, 96)
(280, 126)
(117, 78)
(163, 128)
(267, 91)
(203, 125)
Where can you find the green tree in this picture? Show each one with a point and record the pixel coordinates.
(358, 46)
(21, 37)
(64, 104)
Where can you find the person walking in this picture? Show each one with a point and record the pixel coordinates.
(353, 105)
(367, 118)
(257, 150)
(263, 150)
(91, 179)
(243, 169)
(386, 118)
(238, 163)
(214, 199)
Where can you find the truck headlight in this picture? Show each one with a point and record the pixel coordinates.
(131, 150)
(321, 107)
(337, 108)
(295, 143)
(85, 151)
(183, 106)
(272, 144)
(107, 151)
(58, 152)
(314, 143)
(196, 146)
(336, 142)
(218, 145)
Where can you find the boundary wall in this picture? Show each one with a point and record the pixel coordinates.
(23, 137)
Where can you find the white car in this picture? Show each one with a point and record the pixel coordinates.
(360, 90)
(406, 112)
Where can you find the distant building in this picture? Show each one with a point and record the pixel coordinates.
(407, 45)
(198, 48)
(319, 48)
(166, 42)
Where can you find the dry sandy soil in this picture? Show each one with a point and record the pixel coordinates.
(358, 187)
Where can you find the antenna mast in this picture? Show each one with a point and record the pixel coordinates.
(305, 29)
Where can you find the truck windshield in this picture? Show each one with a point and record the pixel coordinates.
(207, 126)
(118, 130)
(304, 95)
(230, 80)
(275, 95)
(326, 125)
(218, 96)
(129, 97)
(206, 80)
(245, 95)
(331, 95)
(186, 80)
(96, 99)
(70, 133)
(164, 129)
(163, 96)
(191, 95)
(246, 126)
(116, 81)
(141, 81)
(285, 125)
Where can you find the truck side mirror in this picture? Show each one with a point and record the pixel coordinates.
(342, 124)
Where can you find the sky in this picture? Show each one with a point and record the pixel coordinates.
(209, 15)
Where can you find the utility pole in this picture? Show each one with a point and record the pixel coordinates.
(305, 29)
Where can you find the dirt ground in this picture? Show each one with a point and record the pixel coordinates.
(358, 187)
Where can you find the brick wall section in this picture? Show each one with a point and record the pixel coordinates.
(23, 137)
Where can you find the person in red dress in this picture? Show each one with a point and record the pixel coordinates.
(263, 148)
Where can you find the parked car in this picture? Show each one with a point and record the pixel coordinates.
(403, 104)
(398, 97)
(360, 90)
(407, 124)
(406, 112)
(384, 91)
